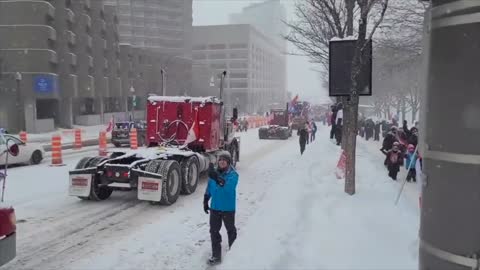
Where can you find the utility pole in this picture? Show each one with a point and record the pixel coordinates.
(450, 215)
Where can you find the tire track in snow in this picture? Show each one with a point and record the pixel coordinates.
(55, 241)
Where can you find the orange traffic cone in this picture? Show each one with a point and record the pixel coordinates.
(57, 151)
(102, 144)
(133, 139)
(23, 136)
(78, 139)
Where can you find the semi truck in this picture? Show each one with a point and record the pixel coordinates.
(279, 127)
(184, 135)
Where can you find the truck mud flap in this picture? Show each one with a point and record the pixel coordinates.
(80, 182)
(149, 185)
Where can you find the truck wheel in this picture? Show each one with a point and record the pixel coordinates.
(83, 163)
(172, 183)
(97, 192)
(190, 175)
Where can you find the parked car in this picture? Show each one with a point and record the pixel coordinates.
(121, 132)
(29, 153)
(8, 237)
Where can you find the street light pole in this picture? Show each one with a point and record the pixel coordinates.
(450, 220)
(19, 103)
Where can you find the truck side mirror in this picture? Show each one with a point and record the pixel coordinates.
(235, 113)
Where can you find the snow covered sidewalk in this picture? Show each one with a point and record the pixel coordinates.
(306, 221)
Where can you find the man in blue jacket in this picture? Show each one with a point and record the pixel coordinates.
(221, 188)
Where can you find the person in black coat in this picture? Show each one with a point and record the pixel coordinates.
(377, 131)
(394, 160)
(303, 135)
(369, 127)
(333, 121)
(389, 139)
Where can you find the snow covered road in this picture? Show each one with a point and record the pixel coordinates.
(292, 214)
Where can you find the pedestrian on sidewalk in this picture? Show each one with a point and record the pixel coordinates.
(393, 160)
(314, 131)
(221, 188)
(339, 124)
(377, 131)
(410, 163)
(302, 138)
(333, 119)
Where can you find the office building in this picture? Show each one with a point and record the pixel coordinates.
(254, 64)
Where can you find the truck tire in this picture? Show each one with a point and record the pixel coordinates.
(82, 164)
(97, 192)
(172, 181)
(190, 174)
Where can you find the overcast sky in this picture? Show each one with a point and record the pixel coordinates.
(301, 79)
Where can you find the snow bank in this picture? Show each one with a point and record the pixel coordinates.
(184, 99)
(344, 39)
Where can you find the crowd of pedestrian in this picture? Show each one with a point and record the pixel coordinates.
(400, 149)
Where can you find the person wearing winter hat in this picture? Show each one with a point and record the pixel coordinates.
(393, 160)
(410, 163)
(221, 189)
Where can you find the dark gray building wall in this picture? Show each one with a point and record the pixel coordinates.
(76, 43)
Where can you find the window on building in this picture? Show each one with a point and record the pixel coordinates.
(238, 85)
(238, 46)
(218, 65)
(238, 75)
(238, 65)
(199, 47)
(217, 56)
(199, 56)
(239, 55)
(217, 46)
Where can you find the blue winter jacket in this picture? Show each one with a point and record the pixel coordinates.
(223, 198)
(408, 158)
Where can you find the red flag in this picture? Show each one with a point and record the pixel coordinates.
(110, 125)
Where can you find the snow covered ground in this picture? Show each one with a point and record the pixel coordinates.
(292, 214)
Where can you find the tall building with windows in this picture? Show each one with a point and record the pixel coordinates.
(254, 64)
(165, 25)
(268, 17)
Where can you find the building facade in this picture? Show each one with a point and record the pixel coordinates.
(158, 24)
(62, 63)
(254, 64)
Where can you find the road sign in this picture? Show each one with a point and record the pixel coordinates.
(134, 101)
(44, 84)
(341, 55)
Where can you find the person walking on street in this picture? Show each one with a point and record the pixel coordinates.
(377, 131)
(339, 124)
(333, 120)
(314, 130)
(221, 189)
(394, 160)
(410, 163)
(302, 137)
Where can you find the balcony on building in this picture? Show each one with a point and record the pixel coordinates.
(26, 12)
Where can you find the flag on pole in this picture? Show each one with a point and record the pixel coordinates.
(194, 132)
(110, 125)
